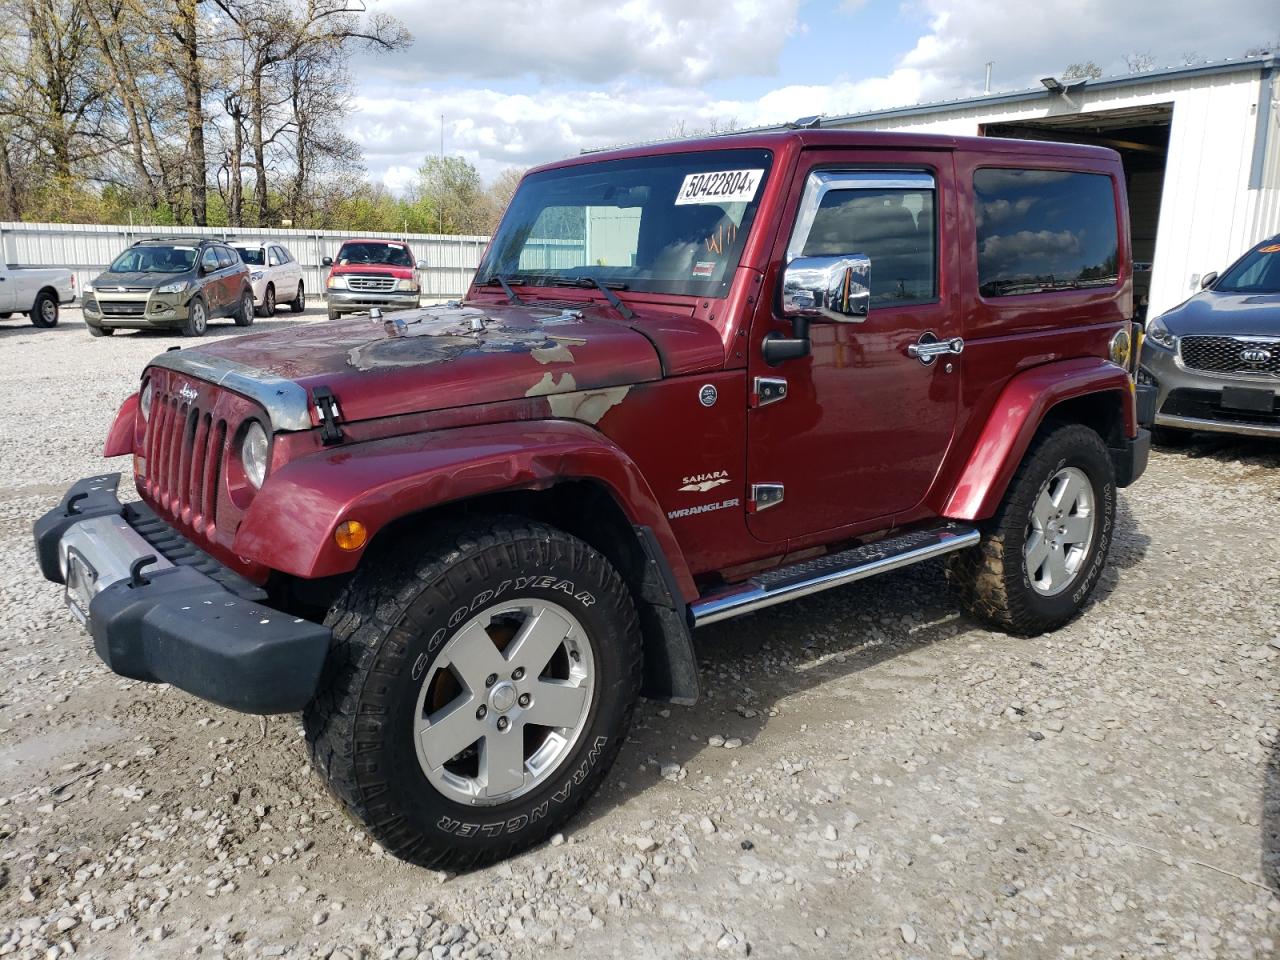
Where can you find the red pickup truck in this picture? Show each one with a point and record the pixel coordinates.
(369, 274)
(689, 381)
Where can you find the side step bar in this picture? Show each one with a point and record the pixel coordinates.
(832, 570)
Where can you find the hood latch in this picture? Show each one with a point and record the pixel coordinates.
(329, 413)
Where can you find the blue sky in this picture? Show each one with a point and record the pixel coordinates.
(522, 83)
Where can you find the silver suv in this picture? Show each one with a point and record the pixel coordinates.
(1215, 359)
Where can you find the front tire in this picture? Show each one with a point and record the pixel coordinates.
(476, 697)
(334, 314)
(268, 301)
(100, 331)
(44, 312)
(197, 321)
(1042, 553)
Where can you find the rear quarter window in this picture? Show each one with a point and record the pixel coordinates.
(1041, 231)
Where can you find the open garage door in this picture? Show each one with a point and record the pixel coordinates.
(1141, 136)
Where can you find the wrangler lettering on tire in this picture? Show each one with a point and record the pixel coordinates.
(479, 686)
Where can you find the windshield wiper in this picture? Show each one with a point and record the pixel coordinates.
(605, 288)
(505, 284)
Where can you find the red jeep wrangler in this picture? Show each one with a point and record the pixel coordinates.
(689, 381)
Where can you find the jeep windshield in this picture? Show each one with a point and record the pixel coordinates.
(674, 224)
(156, 258)
(1258, 271)
(385, 254)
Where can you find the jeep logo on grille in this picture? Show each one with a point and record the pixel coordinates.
(1255, 355)
(188, 393)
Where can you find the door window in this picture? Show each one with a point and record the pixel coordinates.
(1044, 230)
(888, 216)
(274, 259)
(209, 260)
(225, 257)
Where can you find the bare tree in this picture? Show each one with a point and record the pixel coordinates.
(1139, 62)
(1088, 70)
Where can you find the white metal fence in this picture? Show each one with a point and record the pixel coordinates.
(87, 248)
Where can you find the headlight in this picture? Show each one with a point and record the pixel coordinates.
(253, 454)
(256, 276)
(88, 288)
(410, 286)
(1158, 333)
(144, 401)
(177, 287)
(336, 283)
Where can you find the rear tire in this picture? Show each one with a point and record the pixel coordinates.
(299, 303)
(244, 313)
(440, 668)
(44, 312)
(1042, 553)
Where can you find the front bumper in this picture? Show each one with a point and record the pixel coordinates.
(352, 301)
(1129, 461)
(155, 311)
(1188, 399)
(161, 610)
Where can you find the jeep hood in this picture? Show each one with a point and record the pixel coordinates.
(1226, 314)
(452, 356)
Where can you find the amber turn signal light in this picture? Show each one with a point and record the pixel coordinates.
(351, 535)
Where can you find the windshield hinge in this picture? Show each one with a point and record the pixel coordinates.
(329, 413)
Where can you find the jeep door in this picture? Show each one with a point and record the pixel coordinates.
(864, 425)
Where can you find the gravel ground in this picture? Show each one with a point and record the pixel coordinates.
(869, 774)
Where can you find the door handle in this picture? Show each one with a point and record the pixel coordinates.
(929, 348)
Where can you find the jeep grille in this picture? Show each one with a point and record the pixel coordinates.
(1227, 354)
(185, 448)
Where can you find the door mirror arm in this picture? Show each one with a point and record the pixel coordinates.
(778, 349)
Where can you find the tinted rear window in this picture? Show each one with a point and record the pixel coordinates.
(1044, 230)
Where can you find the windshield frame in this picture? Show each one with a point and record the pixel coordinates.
(1266, 249)
(537, 193)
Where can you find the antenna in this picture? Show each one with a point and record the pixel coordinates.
(986, 88)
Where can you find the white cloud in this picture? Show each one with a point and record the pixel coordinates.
(671, 41)
(595, 75)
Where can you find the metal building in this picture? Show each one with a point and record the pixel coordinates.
(1201, 149)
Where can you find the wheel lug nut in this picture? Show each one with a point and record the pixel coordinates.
(503, 723)
(517, 673)
(490, 680)
(525, 699)
(481, 711)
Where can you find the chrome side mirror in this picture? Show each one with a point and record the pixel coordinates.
(835, 289)
(1208, 279)
(421, 265)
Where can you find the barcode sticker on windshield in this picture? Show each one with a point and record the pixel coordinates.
(719, 186)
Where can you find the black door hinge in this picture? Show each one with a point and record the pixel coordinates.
(327, 408)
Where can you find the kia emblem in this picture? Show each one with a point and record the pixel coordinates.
(1255, 355)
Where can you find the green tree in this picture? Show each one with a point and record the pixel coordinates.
(453, 187)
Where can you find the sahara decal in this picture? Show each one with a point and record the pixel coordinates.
(702, 482)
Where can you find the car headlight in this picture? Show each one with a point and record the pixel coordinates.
(176, 287)
(408, 286)
(1159, 334)
(336, 283)
(253, 454)
(256, 276)
(88, 288)
(144, 401)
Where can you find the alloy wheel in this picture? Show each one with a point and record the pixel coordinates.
(1060, 534)
(505, 702)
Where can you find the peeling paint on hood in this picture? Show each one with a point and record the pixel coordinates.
(453, 355)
